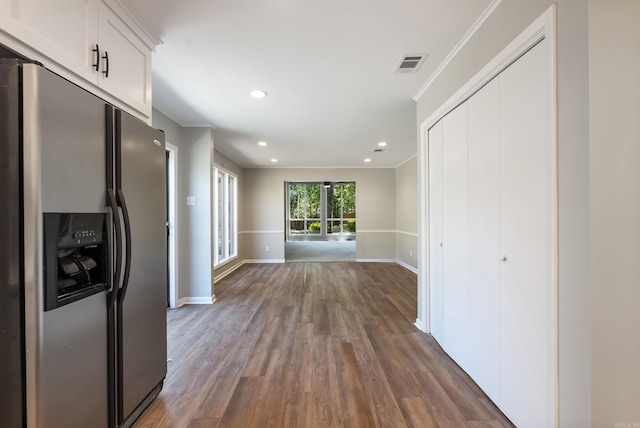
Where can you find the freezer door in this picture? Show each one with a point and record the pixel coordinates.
(11, 330)
(140, 184)
(64, 171)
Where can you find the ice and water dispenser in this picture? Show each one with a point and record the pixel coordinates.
(76, 252)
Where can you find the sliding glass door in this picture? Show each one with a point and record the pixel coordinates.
(321, 211)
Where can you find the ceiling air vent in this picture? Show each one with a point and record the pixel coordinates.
(410, 63)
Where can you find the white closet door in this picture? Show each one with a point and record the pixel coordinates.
(436, 284)
(484, 232)
(454, 163)
(525, 237)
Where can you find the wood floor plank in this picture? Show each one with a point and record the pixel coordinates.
(337, 326)
(311, 345)
(388, 358)
(286, 335)
(326, 398)
(244, 400)
(355, 405)
(167, 413)
(321, 319)
(385, 409)
(203, 423)
(416, 413)
(440, 405)
(357, 336)
(269, 413)
(299, 411)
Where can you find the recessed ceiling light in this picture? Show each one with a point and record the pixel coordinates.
(258, 93)
(274, 160)
(382, 144)
(367, 160)
(262, 143)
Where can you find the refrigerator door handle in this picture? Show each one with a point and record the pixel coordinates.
(127, 229)
(112, 203)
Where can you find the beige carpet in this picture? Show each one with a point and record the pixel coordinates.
(319, 251)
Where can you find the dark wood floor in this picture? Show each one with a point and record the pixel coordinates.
(313, 345)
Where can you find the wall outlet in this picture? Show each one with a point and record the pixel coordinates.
(266, 248)
(410, 253)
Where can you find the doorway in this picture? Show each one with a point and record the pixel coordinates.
(172, 223)
(321, 221)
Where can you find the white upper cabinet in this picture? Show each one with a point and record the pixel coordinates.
(125, 61)
(85, 39)
(63, 30)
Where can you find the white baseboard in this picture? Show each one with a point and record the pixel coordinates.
(401, 263)
(196, 301)
(407, 266)
(420, 325)
(244, 262)
(228, 271)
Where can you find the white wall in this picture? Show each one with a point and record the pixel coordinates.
(194, 252)
(573, 189)
(614, 91)
(263, 219)
(508, 20)
(195, 179)
(172, 131)
(407, 213)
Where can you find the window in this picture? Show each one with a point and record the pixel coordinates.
(225, 226)
(304, 209)
(341, 208)
(324, 210)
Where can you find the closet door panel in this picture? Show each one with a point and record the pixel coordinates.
(436, 285)
(484, 232)
(454, 164)
(525, 282)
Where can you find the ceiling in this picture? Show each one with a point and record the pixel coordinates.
(329, 68)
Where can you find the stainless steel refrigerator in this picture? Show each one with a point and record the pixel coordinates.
(82, 256)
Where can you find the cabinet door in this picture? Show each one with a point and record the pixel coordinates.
(454, 164)
(484, 232)
(63, 30)
(129, 61)
(526, 310)
(436, 285)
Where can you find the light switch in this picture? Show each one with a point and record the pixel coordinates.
(191, 200)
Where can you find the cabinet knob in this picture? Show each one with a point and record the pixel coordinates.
(440, 244)
(503, 257)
